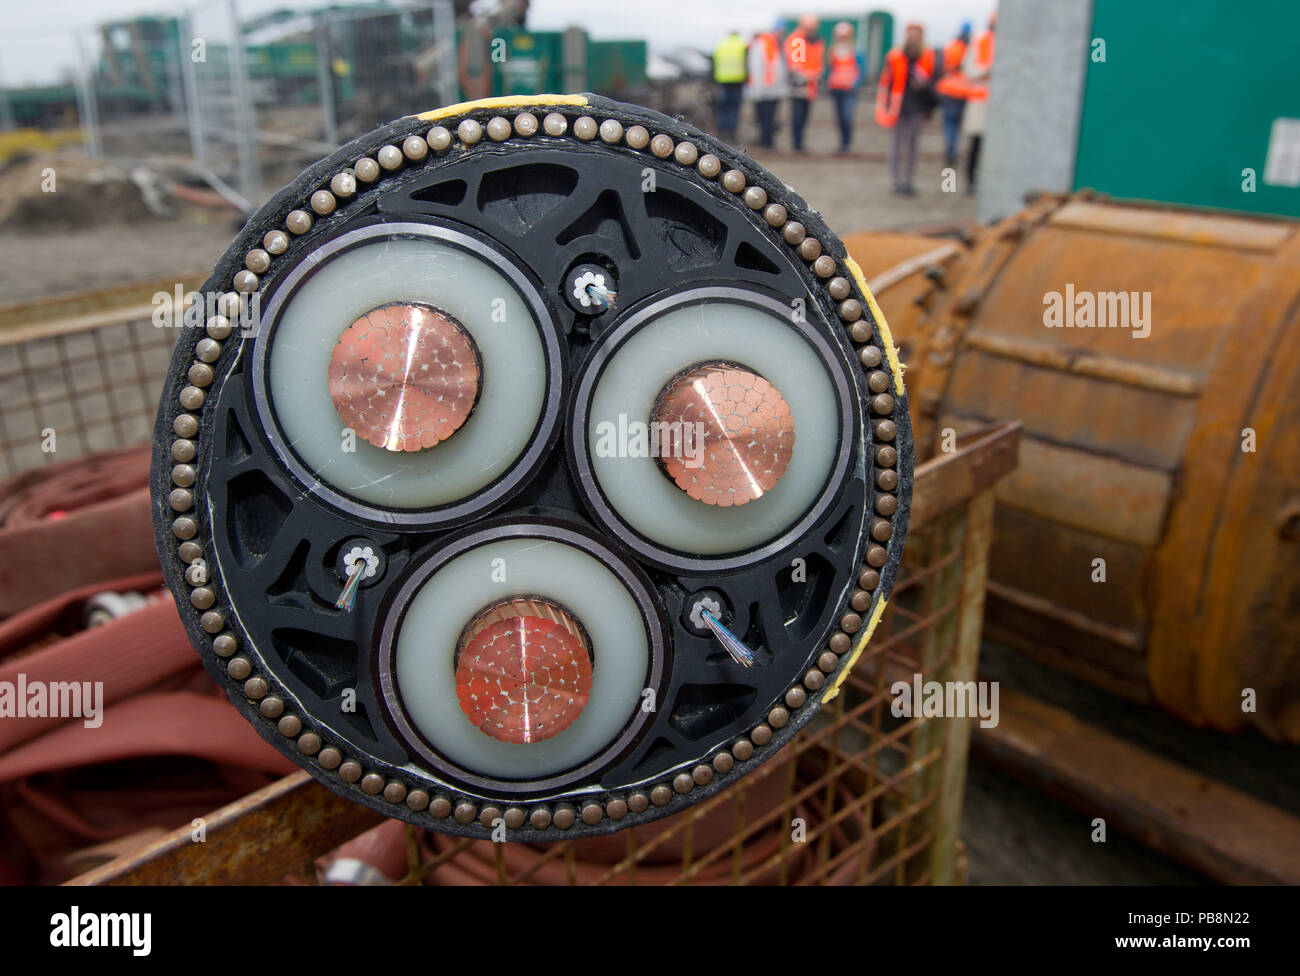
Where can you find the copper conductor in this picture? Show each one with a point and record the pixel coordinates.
(748, 433)
(523, 671)
(405, 376)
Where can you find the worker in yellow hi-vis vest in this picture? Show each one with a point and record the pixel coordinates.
(729, 73)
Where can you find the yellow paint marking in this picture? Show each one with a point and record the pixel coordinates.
(876, 614)
(508, 101)
(886, 336)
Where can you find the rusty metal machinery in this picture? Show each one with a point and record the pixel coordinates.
(540, 466)
(1172, 456)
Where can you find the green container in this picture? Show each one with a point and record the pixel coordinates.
(526, 62)
(616, 68)
(1187, 100)
(875, 41)
(281, 59)
(41, 107)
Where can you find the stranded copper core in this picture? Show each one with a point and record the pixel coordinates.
(523, 670)
(736, 436)
(405, 377)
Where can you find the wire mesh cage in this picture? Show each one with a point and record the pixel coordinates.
(81, 374)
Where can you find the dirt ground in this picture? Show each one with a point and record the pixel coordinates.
(37, 265)
(854, 192)
(1015, 834)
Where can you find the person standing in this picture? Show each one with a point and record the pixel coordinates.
(977, 66)
(765, 84)
(845, 70)
(729, 73)
(904, 100)
(805, 59)
(952, 106)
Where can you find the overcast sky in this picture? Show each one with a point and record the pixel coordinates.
(37, 44)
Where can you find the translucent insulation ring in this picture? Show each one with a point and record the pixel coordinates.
(379, 265)
(622, 381)
(418, 651)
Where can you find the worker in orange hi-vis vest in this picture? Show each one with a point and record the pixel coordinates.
(905, 98)
(805, 59)
(845, 70)
(977, 68)
(766, 83)
(952, 104)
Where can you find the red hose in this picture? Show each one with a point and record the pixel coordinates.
(74, 523)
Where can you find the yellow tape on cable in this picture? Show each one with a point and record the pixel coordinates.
(505, 101)
(834, 689)
(886, 337)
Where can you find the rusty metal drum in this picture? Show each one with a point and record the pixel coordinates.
(1150, 540)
